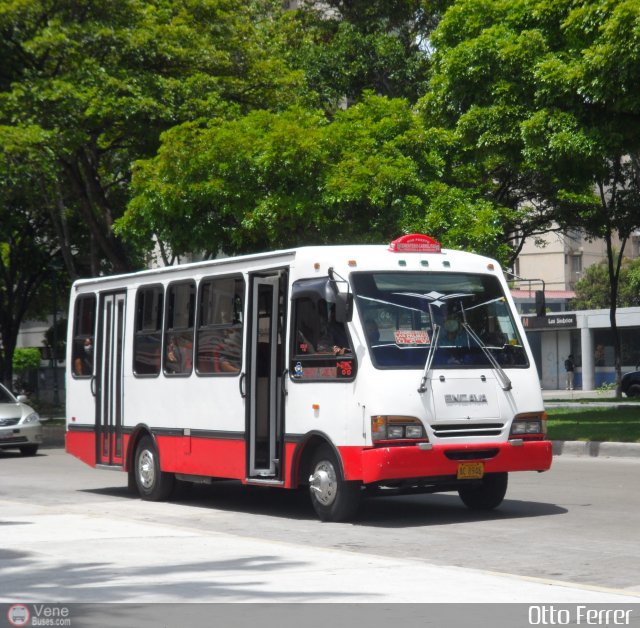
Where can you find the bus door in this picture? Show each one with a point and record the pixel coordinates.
(109, 378)
(266, 371)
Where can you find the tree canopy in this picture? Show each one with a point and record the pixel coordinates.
(272, 180)
(27, 237)
(86, 89)
(347, 48)
(103, 80)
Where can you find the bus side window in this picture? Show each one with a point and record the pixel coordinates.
(84, 318)
(317, 331)
(148, 331)
(178, 331)
(219, 330)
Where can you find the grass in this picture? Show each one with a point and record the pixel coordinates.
(613, 424)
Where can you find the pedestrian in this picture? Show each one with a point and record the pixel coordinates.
(569, 367)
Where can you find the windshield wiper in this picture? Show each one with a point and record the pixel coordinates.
(505, 382)
(432, 351)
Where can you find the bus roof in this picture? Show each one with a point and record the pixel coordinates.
(314, 260)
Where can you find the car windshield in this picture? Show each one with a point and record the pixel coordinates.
(400, 310)
(6, 396)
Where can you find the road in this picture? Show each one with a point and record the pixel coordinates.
(75, 534)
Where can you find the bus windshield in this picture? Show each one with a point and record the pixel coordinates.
(400, 311)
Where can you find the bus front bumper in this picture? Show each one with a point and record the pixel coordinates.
(378, 464)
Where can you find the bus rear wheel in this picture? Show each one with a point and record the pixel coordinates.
(152, 483)
(486, 495)
(333, 498)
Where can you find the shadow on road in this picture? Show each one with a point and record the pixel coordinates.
(384, 512)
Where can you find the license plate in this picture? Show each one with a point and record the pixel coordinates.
(470, 470)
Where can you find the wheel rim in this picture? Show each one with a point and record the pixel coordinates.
(323, 484)
(146, 469)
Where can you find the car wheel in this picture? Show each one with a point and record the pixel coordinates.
(633, 390)
(488, 494)
(333, 498)
(29, 450)
(152, 483)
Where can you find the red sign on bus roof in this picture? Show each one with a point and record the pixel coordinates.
(415, 243)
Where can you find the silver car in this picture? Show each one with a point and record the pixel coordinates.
(20, 426)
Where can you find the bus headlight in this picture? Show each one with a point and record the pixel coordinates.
(530, 424)
(387, 428)
(414, 431)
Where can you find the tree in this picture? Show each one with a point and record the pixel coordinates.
(548, 112)
(231, 185)
(593, 290)
(347, 47)
(27, 238)
(103, 80)
(273, 180)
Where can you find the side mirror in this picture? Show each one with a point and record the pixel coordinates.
(22, 399)
(344, 307)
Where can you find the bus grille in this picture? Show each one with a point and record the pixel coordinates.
(458, 430)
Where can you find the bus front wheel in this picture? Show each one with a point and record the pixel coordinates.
(333, 498)
(487, 495)
(152, 483)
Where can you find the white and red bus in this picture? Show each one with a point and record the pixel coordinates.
(345, 369)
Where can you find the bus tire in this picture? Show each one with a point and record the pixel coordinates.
(487, 495)
(152, 483)
(333, 498)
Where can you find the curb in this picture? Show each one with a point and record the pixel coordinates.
(595, 449)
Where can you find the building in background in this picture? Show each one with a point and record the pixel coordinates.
(555, 262)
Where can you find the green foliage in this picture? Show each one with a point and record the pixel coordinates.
(273, 180)
(26, 359)
(232, 185)
(27, 238)
(348, 48)
(517, 81)
(594, 292)
(103, 80)
(86, 89)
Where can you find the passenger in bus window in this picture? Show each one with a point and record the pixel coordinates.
(83, 362)
(178, 355)
(333, 335)
(227, 354)
(454, 336)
